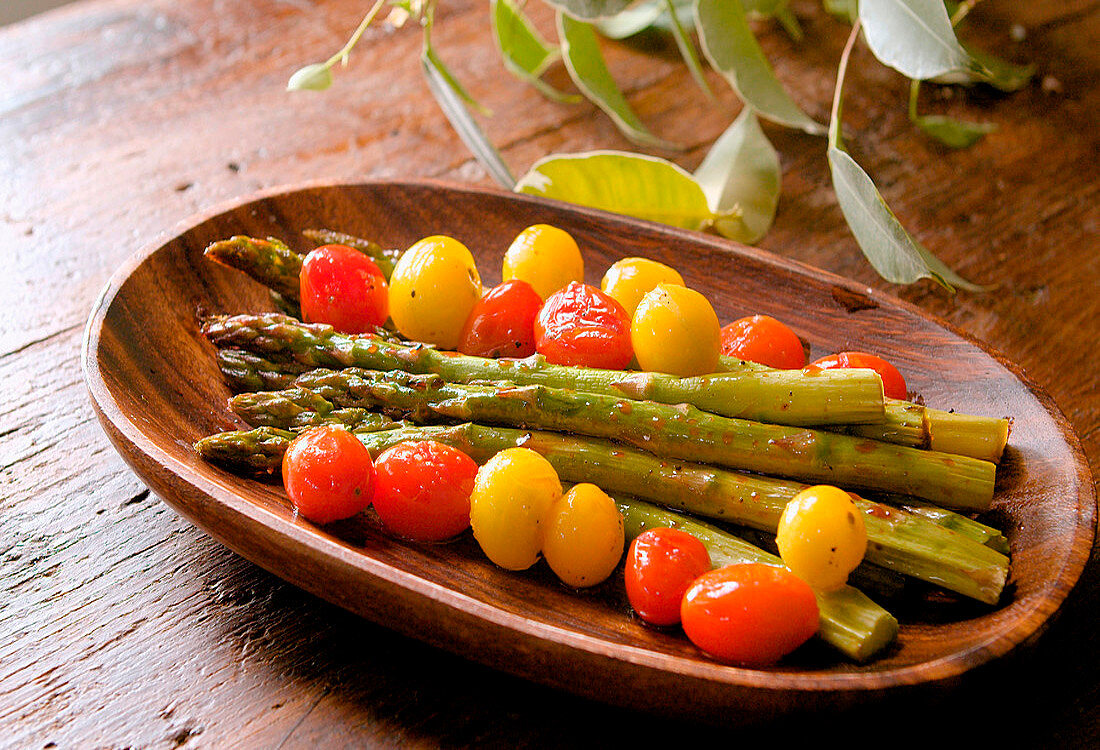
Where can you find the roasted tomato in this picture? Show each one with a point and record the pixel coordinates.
(584, 540)
(764, 340)
(893, 384)
(580, 325)
(660, 566)
(423, 490)
(675, 330)
(822, 536)
(344, 288)
(434, 286)
(544, 256)
(328, 474)
(502, 323)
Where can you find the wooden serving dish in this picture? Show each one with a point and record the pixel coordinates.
(157, 390)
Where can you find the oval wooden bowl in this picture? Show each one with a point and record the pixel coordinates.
(157, 390)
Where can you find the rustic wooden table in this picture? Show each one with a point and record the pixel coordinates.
(123, 626)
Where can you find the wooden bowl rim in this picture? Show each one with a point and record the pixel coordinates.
(128, 436)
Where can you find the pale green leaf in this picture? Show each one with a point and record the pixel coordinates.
(590, 10)
(914, 37)
(451, 101)
(731, 48)
(638, 185)
(583, 59)
(315, 77)
(634, 20)
(741, 174)
(890, 249)
(952, 132)
(524, 52)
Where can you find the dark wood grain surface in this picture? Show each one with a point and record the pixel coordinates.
(121, 625)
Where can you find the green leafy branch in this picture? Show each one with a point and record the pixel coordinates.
(735, 190)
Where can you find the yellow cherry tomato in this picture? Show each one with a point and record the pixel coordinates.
(508, 507)
(629, 279)
(433, 288)
(545, 257)
(584, 536)
(675, 330)
(821, 536)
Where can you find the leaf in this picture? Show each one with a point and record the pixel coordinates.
(583, 59)
(891, 250)
(315, 77)
(731, 48)
(687, 48)
(442, 85)
(638, 185)
(525, 53)
(992, 70)
(914, 37)
(952, 132)
(741, 172)
(590, 10)
(631, 21)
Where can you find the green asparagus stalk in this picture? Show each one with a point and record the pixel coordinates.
(850, 621)
(269, 262)
(900, 541)
(780, 397)
(679, 432)
(245, 371)
(976, 530)
(386, 258)
(920, 426)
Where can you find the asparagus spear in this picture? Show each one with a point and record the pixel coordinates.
(681, 431)
(850, 621)
(901, 541)
(921, 426)
(245, 371)
(780, 397)
(269, 262)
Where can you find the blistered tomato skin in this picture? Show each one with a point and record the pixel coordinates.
(584, 536)
(433, 288)
(502, 323)
(423, 490)
(629, 279)
(580, 325)
(328, 475)
(344, 288)
(764, 340)
(822, 536)
(544, 256)
(512, 493)
(676, 331)
(749, 614)
(660, 566)
(893, 383)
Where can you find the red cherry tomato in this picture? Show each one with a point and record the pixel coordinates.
(660, 566)
(893, 384)
(502, 323)
(764, 340)
(344, 288)
(424, 490)
(580, 325)
(750, 614)
(328, 474)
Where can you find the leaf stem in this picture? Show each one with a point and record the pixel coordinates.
(842, 71)
(342, 55)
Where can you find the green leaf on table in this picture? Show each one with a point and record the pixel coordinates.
(525, 53)
(952, 132)
(590, 10)
(583, 59)
(638, 185)
(451, 100)
(741, 179)
(891, 250)
(687, 48)
(731, 48)
(914, 37)
(315, 77)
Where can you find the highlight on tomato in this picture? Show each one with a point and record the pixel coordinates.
(344, 288)
(893, 383)
(423, 490)
(764, 340)
(502, 323)
(661, 565)
(581, 325)
(328, 474)
(750, 614)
